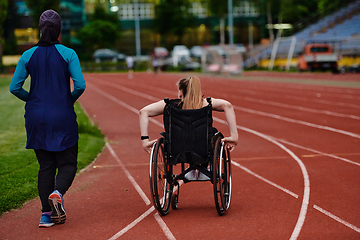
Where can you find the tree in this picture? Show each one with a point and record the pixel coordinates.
(101, 14)
(101, 32)
(172, 17)
(323, 4)
(220, 10)
(3, 13)
(288, 11)
(9, 25)
(298, 9)
(98, 34)
(37, 7)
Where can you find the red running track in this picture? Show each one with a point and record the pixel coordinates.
(296, 169)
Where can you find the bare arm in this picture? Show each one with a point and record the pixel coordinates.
(226, 107)
(145, 113)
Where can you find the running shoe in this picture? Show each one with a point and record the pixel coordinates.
(57, 206)
(45, 221)
(203, 177)
(191, 175)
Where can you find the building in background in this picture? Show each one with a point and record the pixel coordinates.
(75, 14)
(73, 18)
(207, 31)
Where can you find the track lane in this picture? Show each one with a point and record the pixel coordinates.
(270, 123)
(254, 201)
(306, 194)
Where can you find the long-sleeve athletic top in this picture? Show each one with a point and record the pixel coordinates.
(50, 119)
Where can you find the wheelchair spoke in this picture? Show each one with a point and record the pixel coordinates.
(159, 184)
(221, 177)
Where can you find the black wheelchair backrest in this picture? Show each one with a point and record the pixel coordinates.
(187, 133)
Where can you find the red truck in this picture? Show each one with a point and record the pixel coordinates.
(318, 56)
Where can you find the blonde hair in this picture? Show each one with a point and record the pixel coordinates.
(191, 91)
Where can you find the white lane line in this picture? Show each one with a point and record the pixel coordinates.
(328, 102)
(329, 89)
(147, 87)
(242, 109)
(292, 97)
(313, 93)
(125, 105)
(137, 187)
(132, 224)
(300, 219)
(337, 218)
(297, 121)
(264, 179)
(132, 180)
(163, 226)
(305, 109)
(129, 90)
(306, 195)
(249, 111)
(325, 102)
(288, 106)
(315, 151)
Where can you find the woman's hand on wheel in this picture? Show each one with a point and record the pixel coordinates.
(230, 142)
(147, 144)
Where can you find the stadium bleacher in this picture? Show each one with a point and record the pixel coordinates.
(341, 28)
(342, 24)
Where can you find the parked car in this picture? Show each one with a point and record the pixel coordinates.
(350, 69)
(318, 56)
(161, 52)
(196, 52)
(184, 63)
(180, 51)
(240, 48)
(105, 54)
(354, 69)
(189, 65)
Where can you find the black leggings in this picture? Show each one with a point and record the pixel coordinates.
(65, 162)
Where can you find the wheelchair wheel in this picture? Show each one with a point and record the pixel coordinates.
(221, 176)
(160, 186)
(174, 201)
(175, 198)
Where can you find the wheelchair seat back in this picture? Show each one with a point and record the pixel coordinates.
(187, 133)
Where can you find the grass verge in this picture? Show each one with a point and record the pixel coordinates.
(19, 166)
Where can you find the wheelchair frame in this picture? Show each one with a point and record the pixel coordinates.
(164, 183)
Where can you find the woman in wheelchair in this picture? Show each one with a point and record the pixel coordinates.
(190, 97)
(190, 146)
(189, 93)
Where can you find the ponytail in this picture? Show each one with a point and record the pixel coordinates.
(191, 89)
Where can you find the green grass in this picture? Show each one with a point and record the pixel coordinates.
(19, 166)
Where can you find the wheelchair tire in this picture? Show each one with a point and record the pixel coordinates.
(174, 201)
(221, 176)
(160, 180)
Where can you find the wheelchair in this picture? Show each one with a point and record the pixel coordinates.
(190, 140)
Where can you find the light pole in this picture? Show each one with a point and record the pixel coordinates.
(230, 18)
(137, 28)
(251, 40)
